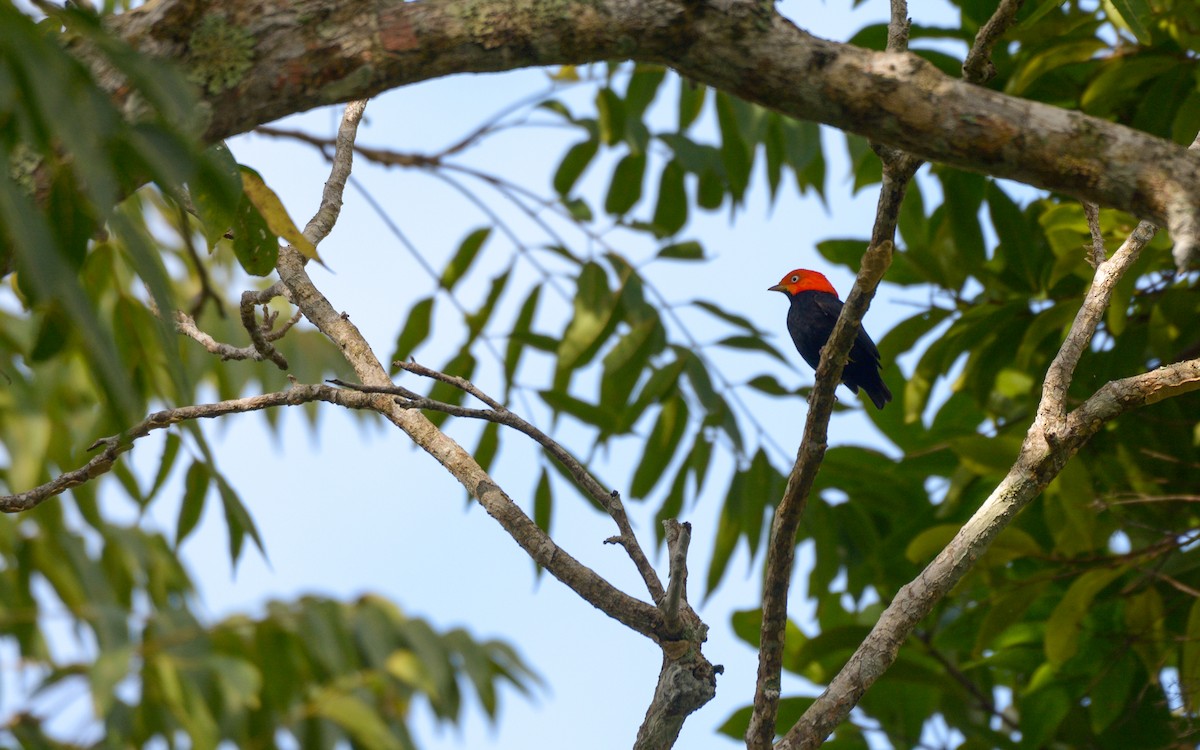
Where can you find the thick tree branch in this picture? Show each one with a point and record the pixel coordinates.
(358, 49)
(115, 445)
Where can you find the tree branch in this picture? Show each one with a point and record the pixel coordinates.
(1051, 441)
(369, 46)
(978, 67)
(122, 442)
(498, 413)
(781, 547)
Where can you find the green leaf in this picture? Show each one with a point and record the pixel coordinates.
(576, 160)
(691, 102)
(522, 326)
(690, 250)
(625, 190)
(736, 320)
(671, 211)
(478, 320)
(611, 116)
(468, 249)
(254, 244)
(660, 447)
(109, 669)
(237, 520)
(416, 329)
(1133, 13)
(356, 718)
(1041, 714)
(643, 87)
(1064, 624)
(591, 324)
(194, 494)
(736, 155)
(274, 214)
(587, 413)
(752, 343)
(1189, 662)
(489, 444)
(216, 192)
(543, 502)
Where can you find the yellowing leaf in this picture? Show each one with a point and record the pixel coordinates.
(273, 212)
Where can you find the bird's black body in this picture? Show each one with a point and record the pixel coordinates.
(810, 320)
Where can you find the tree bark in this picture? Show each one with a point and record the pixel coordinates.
(288, 56)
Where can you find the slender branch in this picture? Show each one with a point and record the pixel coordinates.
(639, 616)
(982, 698)
(1097, 254)
(1039, 462)
(322, 222)
(265, 349)
(185, 324)
(1091, 312)
(498, 413)
(898, 169)
(1051, 441)
(679, 536)
(122, 442)
(781, 548)
(978, 67)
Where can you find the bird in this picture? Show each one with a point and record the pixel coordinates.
(814, 309)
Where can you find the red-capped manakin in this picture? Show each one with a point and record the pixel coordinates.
(814, 309)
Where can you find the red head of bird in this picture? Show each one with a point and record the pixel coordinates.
(803, 280)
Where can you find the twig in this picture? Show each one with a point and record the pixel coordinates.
(1096, 254)
(498, 413)
(679, 536)
(982, 698)
(186, 325)
(1091, 312)
(265, 349)
(978, 67)
(115, 445)
(322, 222)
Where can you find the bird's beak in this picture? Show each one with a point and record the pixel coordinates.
(777, 288)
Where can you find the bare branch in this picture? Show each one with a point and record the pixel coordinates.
(322, 222)
(686, 681)
(781, 548)
(186, 325)
(1091, 312)
(498, 413)
(978, 67)
(265, 349)
(679, 536)
(115, 445)
(1096, 254)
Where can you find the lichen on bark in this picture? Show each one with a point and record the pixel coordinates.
(220, 53)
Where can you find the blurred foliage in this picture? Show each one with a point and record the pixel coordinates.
(1080, 627)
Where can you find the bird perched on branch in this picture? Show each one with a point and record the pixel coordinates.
(815, 308)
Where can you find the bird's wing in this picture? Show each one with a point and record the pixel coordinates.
(831, 307)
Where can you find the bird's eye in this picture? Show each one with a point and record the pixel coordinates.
(795, 279)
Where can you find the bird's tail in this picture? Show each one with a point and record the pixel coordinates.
(878, 392)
